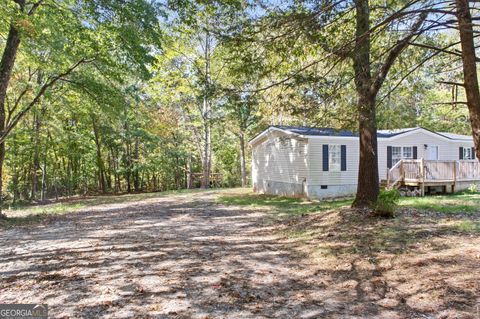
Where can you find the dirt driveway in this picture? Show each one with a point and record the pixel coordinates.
(180, 256)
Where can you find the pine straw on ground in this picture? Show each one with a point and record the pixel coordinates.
(418, 265)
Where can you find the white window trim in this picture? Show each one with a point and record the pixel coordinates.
(337, 166)
(411, 152)
(467, 151)
(396, 159)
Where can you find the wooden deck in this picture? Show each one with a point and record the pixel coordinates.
(424, 173)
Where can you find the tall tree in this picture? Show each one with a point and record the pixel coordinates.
(45, 27)
(367, 87)
(469, 58)
(345, 40)
(243, 115)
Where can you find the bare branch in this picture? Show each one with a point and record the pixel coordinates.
(17, 102)
(379, 78)
(450, 103)
(451, 83)
(35, 7)
(21, 3)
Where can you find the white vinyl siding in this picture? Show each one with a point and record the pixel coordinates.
(315, 160)
(446, 149)
(286, 158)
(280, 158)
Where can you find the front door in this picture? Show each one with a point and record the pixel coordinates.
(432, 153)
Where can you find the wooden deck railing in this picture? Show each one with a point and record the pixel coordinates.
(424, 171)
(440, 170)
(395, 175)
(468, 171)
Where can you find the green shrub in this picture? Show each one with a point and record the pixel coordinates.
(387, 203)
(473, 188)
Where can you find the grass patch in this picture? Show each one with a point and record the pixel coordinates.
(52, 209)
(286, 206)
(458, 203)
(468, 226)
(29, 214)
(449, 214)
(464, 202)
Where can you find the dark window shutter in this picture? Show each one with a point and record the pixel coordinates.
(343, 151)
(415, 153)
(474, 156)
(325, 157)
(460, 153)
(389, 156)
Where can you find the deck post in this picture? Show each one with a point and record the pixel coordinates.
(422, 174)
(402, 171)
(388, 178)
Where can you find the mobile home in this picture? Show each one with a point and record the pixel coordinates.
(323, 162)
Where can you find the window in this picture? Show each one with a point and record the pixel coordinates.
(467, 153)
(334, 157)
(396, 154)
(407, 152)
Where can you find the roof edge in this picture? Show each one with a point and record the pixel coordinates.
(394, 135)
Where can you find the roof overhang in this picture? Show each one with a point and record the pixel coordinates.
(267, 132)
(416, 130)
(272, 129)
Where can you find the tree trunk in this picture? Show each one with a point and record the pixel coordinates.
(2, 158)
(43, 191)
(116, 175)
(100, 165)
(108, 172)
(242, 159)
(6, 67)
(469, 69)
(128, 164)
(36, 155)
(206, 164)
(178, 173)
(15, 177)
(37, 123)
(368, 178)
(189, 172)
(206, 157)
(136, 174)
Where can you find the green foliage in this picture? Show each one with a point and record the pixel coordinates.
(469, 226)
(133, 118)
(284, 206)
(473, 188)
(23, 214)
(387, 203)
(459, 203)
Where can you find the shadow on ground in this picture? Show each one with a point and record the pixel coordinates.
(188, 256)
